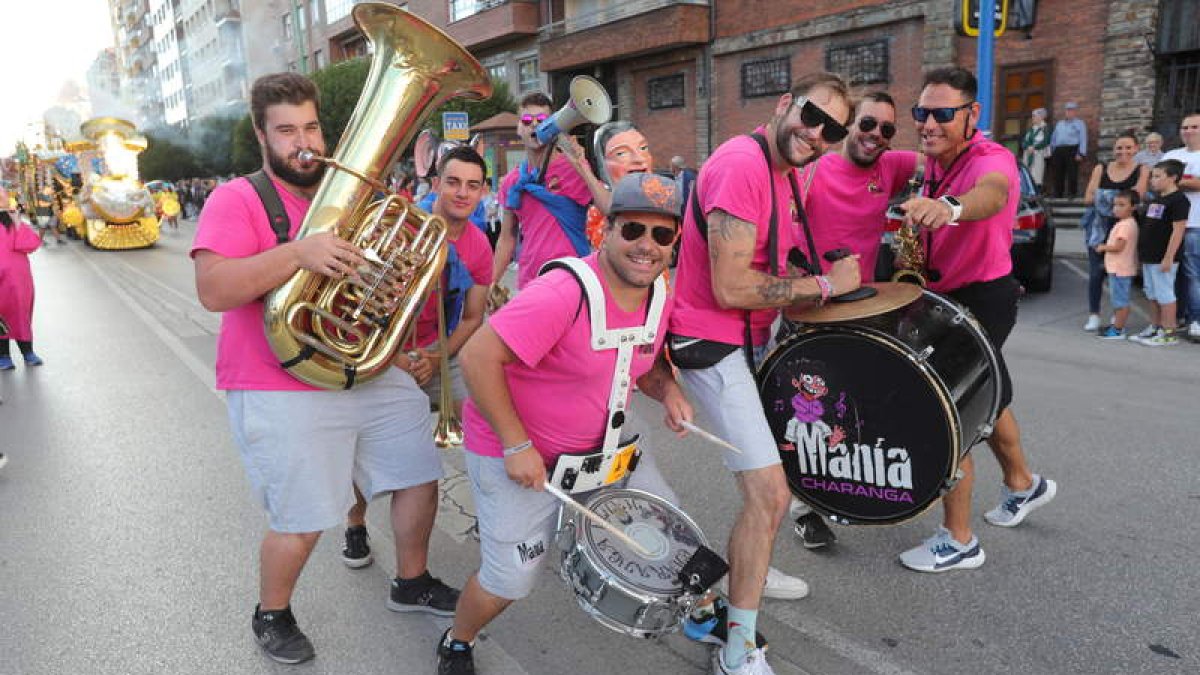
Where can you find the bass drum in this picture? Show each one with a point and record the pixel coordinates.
(872, 416)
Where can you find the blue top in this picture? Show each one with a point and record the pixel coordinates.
(1070, 132)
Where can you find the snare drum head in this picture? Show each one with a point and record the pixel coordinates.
(668, 534)
(865, 431)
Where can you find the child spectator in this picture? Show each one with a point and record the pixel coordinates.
(1120, 261)
(1159, 250)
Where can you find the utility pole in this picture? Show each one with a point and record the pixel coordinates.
(985, 60)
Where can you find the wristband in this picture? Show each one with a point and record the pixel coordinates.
(519, 447)
(826, 287)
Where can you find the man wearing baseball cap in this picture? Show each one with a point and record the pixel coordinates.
(1068, 147)
(540, 391)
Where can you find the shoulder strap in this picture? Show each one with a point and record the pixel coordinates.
(593, 296)
(273, 205)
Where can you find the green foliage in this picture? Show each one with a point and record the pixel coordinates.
(477, 111)
(340, 85)
(165, 160)
(212, 145)
(247, 156)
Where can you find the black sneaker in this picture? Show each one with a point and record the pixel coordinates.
(422, 594)
(455, 657)
(278, 635)
(813, 531)
(356, 552)
(714, 630)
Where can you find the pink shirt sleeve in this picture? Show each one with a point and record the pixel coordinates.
(533, 322)
(898, 166)
(225, 225)
(743, 193)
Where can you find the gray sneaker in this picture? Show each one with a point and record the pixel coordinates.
(941, 553)
(1016, 506)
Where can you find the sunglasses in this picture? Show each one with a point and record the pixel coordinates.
(940, 115)
(868, 124)
(812, 117)
(530, 119)
(632, 230)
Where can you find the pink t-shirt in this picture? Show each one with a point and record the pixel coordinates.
(542, 238)
(559, 386)
(476, 253)
(234, 224)
(847, 204)
(977, 250)
(734, 180)
(1123, 263)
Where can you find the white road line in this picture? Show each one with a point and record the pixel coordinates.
(201, 370)
(801, 621)
(1141, 313)
(190, 300)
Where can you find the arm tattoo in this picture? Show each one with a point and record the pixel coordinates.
(730, 228)
(776, 291)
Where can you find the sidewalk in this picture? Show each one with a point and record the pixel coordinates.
(1068, 243)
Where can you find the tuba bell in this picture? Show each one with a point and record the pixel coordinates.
(335, 333)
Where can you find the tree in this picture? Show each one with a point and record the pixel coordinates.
(340, 86)
(212, 145)
(247, 157)
(477, 111)
(164, 159)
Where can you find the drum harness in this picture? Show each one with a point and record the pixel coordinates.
(581, 473)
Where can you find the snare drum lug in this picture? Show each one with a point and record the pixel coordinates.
(925, 354)
(985, 431)
(949, 483)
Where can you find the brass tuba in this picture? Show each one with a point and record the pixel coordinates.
(335, 333)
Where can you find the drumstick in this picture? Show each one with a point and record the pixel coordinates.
(612, 529)
(710, 437)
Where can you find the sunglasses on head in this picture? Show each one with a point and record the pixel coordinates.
(940, 115)
(632, 230)
(528, 119)
(812, 117)
(868, 124)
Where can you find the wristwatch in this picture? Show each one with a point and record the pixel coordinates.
(956, 206)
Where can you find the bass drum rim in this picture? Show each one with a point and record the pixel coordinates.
(807, 332)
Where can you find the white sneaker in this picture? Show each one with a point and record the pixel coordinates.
(1194, 330)
(1093, 322)
(798, 508)
(779, 586)
(755, 664)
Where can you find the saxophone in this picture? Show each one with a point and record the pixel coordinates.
(910, 253)
(335, 333)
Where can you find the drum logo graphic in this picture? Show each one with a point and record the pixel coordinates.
(829, 463)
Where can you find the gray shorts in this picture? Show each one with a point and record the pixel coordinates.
(458, 387)
(516, 525)
(303, 450)
(728, 396)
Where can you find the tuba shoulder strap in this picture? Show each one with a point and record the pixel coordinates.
(280, 223)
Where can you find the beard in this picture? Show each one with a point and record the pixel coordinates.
(783, 143)
(304, 178)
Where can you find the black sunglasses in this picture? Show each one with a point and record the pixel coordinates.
(868, 124)
(940, 115)
(632, 230)
(812, 117)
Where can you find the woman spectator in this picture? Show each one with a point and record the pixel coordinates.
(17, 241)
(1035, 146)
(1107, 180)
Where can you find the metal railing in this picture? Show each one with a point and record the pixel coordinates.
(611, 11)
(461, 9)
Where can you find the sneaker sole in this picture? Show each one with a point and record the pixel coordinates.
(358, 563)
(286, 660)
(1051, 490)
(423, 609)
(810, 545)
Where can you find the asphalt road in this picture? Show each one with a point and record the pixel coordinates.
(128, 539)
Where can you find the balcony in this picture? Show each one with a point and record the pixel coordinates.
(618, 30)
(477, 24)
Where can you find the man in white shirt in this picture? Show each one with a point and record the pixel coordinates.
(1189, 154)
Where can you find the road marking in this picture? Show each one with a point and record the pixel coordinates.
(201, 370)
(1084, 275)
(827, 635)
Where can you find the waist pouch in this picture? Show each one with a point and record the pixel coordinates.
(694, 353)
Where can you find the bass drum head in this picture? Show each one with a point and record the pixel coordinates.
(668, 534)
(865, 431)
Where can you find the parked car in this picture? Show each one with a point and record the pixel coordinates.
(1032, 246)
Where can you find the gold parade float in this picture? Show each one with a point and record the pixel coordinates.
(115, 210)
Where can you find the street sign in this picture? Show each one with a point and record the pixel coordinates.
(455, 126)
(966, 21)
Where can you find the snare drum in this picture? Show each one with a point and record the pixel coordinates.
(629, 593)
(872, 415)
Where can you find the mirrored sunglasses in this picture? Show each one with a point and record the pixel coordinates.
(940, 115)
(530, 119)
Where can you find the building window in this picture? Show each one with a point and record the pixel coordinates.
(336, 10)
(666, 92)
(766, 77)
(319, 60)
(859, 62)
(528, 76)
(461, 9)
(498, 72)
(287, 26)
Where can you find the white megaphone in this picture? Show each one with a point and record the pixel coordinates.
(589, 103)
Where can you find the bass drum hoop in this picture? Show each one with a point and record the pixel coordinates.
(608, 580)
(805, 332)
